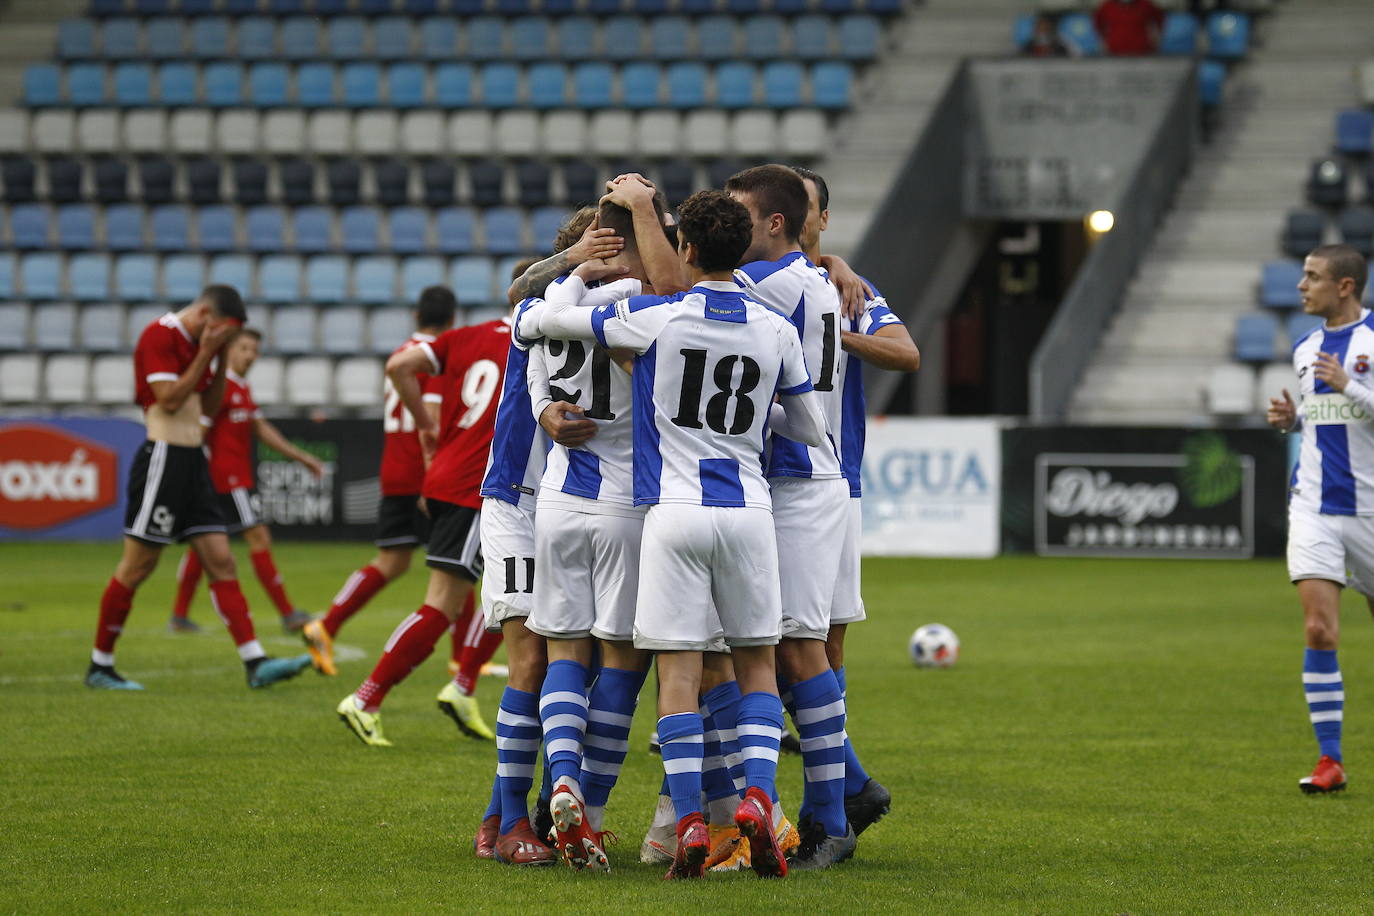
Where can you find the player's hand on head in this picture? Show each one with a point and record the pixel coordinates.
(217, 334)
(595, 244)
(628, 190)
(565, 424)
(591, 271)
(1328, 369)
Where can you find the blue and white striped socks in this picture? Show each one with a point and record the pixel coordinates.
(759, 727)
(820, 725)
(1321, 681)
(680, 736)
(610, 710)
(723, 703)
(855, 777)
(563, 712)
(517, 751)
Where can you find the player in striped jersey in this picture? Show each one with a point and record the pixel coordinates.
(707, 364)
(1331, 498)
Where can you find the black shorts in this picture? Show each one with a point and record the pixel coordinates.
(400, 523)
(170, 495)
(455, 540)
(241, 508)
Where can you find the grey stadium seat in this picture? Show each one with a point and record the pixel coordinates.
(20, 374)
(112, 379)
(341, 331)
(309, 381)
(293, 329)
(66, 378)
(357, 381)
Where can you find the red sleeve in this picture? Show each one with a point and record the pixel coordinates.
(439, 349)
(433, 388)
(160, 360)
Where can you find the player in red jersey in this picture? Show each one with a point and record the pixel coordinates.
(230, 441)
(401, 525)
(176, 380)
(471, 362)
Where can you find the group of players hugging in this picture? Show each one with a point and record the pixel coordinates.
(655, 461)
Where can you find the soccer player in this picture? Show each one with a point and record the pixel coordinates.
(177, 379)
(230, 441)
(471, 362)
(810, 498)
(1330, 513)
(401, 524)
(708, 363)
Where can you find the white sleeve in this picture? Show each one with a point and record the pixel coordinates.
(793, 379)
(1360, 394)
(798, 417)
(537, 379)
(558, 317)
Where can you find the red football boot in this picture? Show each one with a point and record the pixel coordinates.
(693, 846)
(519, 846)
(484, 844)
(754, 818)
(1328, 776)
(576, 842)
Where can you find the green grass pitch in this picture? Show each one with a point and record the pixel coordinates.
(1118, 737)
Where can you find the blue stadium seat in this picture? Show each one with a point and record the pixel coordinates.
(697, 7)
(420, 8)
(470, 278)
(310, 229)
(215, 229)
(1078, 32)
(203, 179)
(763, 37)
(716, 37)
(1279, 284)
(418, 273)
(743, 7)
(120, 39)
(341, 333)
(150, 7)
(85, 84)
(830, 84)
(502, 227)
(111, 181)
(735, 82)
(124, 227)
(649, 7)
(1211, 81)
(135, 279)
(29, 226)
(1254, 338)
(7, 282)
(265, 228)
(279, 279)
(1228, 35)
(183, 276)
(438, 38)
(194, 8)
(362, 85)
(860, 37)
(453, 85)
(548, 83)
(405, 85)
(407, 228)
(782, 84)
(76, 39)
(108, 7)
(293, 330)
(1354, 132)
(171, 228)
(838, 6)
(1357, 229)
(391, 38)
(300, 38)
(346, 38)
(686, 84)
(669, 38)
(374, 7)
(267, 85)
(455, 228)
(88, 277)
(374, 280)
(532, 178)
(811, 37)
(64, 180)
(177, 84)
(54, 330)
(603, 7)
(257, 38)
(40, 276)
(544, 225)
(639, 85)
(76, 227)
(285, 7)
(14, 317)
(133, 85)
(529, 38)
(359, 228)
(485, 179)
(235, 270)
(622, 38)
(330, 7)
(485, 38)
(513, 7)
(593, 85)
(1180, 33)
(1299, 324)
(315, 85)
(1302, 231)
(500, 85)
(223, 85)
(1023, 30)
(575, 38)
(468, 7)
(326, 279)
(166, 38)
(42, 85)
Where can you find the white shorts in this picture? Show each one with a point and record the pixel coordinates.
(810, 517)
(508, 546)
(586, 574)
(848, 604)
(705, 570)
(1335, 547)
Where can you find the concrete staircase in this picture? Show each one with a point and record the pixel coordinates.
(1202, 271)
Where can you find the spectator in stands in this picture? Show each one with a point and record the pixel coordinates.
(1129, 27)
(1044, 39)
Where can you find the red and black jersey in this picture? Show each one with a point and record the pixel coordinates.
(403, 465)
(164, 350)
(230, 437)
(470, 363)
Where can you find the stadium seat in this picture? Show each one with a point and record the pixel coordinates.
(485, 38)
(593, 85)
(311, 230)
(300, 37)
(54, 327)
(544, 225)
(14, 326)
(183, 277)
(811, 37)
(215, 229)
(830, 85)
(75, 227)
(622, 38)
(686, 84)
(29, 226)
(177, 84)
(133, 85)
(53, 131)
(716, 38)
(422, 133)
(763, 37)
(1255, 337)
(453, 85)
(1298, 325)
(88, 277)
(438, 38)
(210, 37)
(405, 85)
(20, 374)
(387, 328)
(407, 230)
(359, 228)
(670, 38)
(374, 7)
(235, 270)
(437, 179)
(1279, 284)
(375, 132)
(14, 130)
(1274, 378)
(529, 38)
(470, 278)
(283, 132)
(326, 279)
(677, 179)
(706, 133)
(657, 133)
(166, 38)
(547, 85)
(42, 85)
(860, 38)
(112, 381)
(203, 181)
(1076, 30)
(85, 84)
(1230, 389)
(374, 280)
(97, 130)
(223, 85)
(362, 85)
(1354, 132)
(268, 380)
(250, 182)
(500, 85)
(418, 273)
(236, 132)
(66, 378)
(171, 228)
(754, 133)
(782, 83)
(455, 229)
(120, 38)
(308, 381)
(315, 85)
(391, 39)
(1357, 229)
(639, 85)
(257, 39)
(19, 174)
(517, 133)
(503, 230)
(345, 37)
(123, 227)
(145, 131)
(735, 82)
(485, 179)
(341, 331)
(1327, 184)
(343, 179)
(1303, 230)
(279, 279)
(293, 329)
(581, 183)
(8, 284)
(563, 133)
(803, 132)
(76, 39)
(392, 180)
(111, 181)
(1180, 33)
(532, 179)
(574, 38)
(267, 84)
(265, 229)
(64, 180)
(1228, 35)
(358, 381)
(101, 327)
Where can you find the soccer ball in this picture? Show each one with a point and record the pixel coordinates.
(934, 646)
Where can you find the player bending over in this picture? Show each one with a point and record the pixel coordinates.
(176, 381)
(230, 441)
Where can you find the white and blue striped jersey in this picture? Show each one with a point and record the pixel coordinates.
(802, 293)
(518, 445)
(582, 374)
(1335, 470)
(853, 423)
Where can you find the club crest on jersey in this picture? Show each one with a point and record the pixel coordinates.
(1361, 366)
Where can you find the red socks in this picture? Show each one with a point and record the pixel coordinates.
(271, 580)
(188, 577)
(356, 592)
(409, 645)
(476, 654)
(114, 610)
(232, 608)
(461, 632)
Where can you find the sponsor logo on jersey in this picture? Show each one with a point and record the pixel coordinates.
(1333, 409)
(49, 477)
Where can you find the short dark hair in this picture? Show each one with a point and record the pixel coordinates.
(522, 265)
(436, 307)
(822, 190)
(719, 226)
(1344, 261)
(775, 189)
(614, 216)
(251, 332)
(224, 301)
